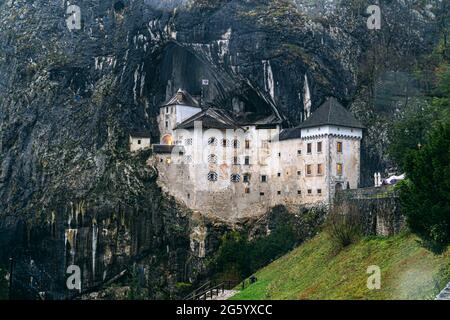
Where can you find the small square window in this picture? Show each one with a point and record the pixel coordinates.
(263, 178)
(279, 192)
(139, 141)
(319, 191)
(247, 190)
(279, 174)
(339, 169)
(309, 191)
(299, 191)
(299, 173)
(261, 193)
(299, 152)
(320, 169)
(246, 178)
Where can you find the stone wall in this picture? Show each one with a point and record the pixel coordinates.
(379, 208)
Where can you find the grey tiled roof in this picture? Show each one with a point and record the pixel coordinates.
(210, 118)
(291, 133)
(140, 134)
(331, 112)
(163, 148)
(182, 97)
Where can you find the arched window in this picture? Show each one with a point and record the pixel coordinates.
(235, 177)
(212, 158)
(225, 143)
(167, 139)
(212, 141)
(212, 176)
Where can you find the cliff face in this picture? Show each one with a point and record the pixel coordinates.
(69, 190)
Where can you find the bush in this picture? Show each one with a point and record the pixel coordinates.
(344, 225)
(425, 196)
(239, 256)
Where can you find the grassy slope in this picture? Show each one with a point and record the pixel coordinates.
(314, 271)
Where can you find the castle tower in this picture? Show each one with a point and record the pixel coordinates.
(333, 143)
(179, 108)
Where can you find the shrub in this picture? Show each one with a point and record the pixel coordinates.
(344, 225)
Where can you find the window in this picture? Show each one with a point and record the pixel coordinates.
(139, 141)
(299, 173)
(235, 160)
(236, 144)
(278, 192)
(263, 178)
(212, 158)
(261, 193)
(319, 191)
(299, 191)
(212, 141)
(246, 177)
(320, 169)
(167, 124)
(235, 177)
(225, 143)
(247, 144)
(212, 176)
(247, 161)
(279, 154)
(247, 190)
(299, 152)
(167, 109)
(308, 148)
(308, 170)
(279, 174)
(309, 191)
(339, 169)
(319, 147)
(339, 147)
(188, 195)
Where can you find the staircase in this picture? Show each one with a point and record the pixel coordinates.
(212, 291)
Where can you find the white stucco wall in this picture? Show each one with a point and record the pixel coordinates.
(279, 161)
(137, 143)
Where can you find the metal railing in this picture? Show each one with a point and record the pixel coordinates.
(211, 290)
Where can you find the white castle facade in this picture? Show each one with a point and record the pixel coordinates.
(236, 165)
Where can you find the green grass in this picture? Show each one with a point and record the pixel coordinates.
(315, 270)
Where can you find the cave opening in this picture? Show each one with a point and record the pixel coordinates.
(179, 67)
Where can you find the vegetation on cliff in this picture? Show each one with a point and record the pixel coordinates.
(239, 255)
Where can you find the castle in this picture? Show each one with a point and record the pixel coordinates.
(237, 164)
